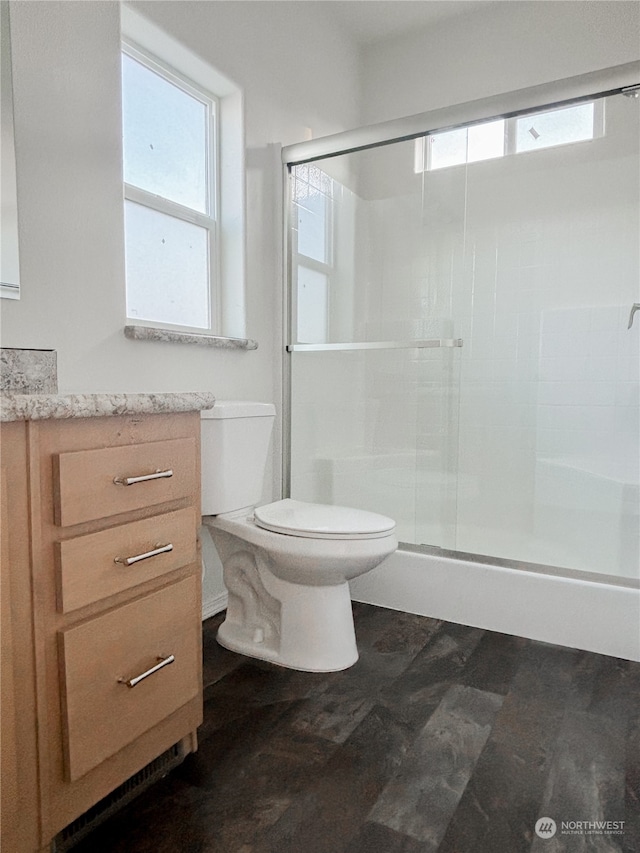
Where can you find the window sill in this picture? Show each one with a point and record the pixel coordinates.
(153, 333)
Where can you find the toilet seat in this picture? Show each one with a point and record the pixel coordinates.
(321, 521)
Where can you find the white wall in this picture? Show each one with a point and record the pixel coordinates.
(297, 72)
(506, 46)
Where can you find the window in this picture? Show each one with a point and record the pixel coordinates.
(466, 144)
(169, 142)
(556, 127)
(313, 206)
(497, 138)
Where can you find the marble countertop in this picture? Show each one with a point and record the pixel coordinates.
(38, 407)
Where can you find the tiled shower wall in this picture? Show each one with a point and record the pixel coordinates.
(588, 389)
(587, 489)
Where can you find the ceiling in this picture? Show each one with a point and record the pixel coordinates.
(369, 21)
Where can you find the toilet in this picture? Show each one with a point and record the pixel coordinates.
(287, 564)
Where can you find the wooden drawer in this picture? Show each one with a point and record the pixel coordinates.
(87, 567)
(102, 714)
(89, 484)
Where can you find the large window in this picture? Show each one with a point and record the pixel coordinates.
(170, 189)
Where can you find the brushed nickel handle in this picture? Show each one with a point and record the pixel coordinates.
(162, 662)
(130, 481)
(159, 549)
(635, 307)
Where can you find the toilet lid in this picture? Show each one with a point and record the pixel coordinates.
(319, 521)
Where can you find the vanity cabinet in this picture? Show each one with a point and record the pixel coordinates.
(101, 610)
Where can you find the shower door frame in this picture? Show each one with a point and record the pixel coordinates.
(617, 80)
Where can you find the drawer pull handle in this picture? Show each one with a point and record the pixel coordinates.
(129, 561)
(130, 481)
(162, 662)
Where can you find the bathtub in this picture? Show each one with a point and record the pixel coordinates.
(600, 616)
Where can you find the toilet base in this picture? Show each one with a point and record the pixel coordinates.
(233, 639)
(311, 630)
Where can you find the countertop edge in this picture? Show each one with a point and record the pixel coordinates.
(37, 407)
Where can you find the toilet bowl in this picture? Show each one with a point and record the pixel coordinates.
(286, 564)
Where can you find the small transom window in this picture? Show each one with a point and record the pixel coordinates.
(499, 137)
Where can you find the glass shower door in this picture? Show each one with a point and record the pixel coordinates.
(462, 357)
(374, 363)
(549, 430)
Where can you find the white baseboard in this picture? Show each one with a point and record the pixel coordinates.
(581, 614)
(214, 605)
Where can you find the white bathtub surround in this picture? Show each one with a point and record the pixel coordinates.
(28, 371)
(34, 407)
(579, 613)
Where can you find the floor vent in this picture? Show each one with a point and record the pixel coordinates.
(86, 823)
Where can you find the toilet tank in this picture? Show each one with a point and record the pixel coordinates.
(235, 443)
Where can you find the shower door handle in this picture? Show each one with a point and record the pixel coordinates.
(635, 307)
(354, 345)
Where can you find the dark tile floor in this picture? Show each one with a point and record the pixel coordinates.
(441, 738)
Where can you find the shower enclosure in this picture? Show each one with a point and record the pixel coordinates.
(462, 348)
